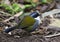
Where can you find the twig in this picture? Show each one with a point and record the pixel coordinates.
(10, 24)
(54, 35)
(52, 5)
(4, 13)
(16, 15)
(53, 28)
(52, 12)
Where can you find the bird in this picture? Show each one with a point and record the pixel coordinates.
(28, 23)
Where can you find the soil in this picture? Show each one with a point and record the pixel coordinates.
(26, 38)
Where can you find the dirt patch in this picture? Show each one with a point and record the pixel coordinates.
(32, 38)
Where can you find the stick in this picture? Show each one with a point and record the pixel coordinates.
(10, 24)
(52, 12)
(16, 15)
(53, 28)
(4, 13)
(52, 5)
(54, 35)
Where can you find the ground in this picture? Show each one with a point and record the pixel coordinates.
(31, 38)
